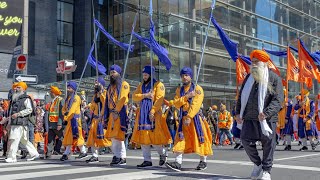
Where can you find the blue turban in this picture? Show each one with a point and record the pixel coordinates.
(186, 70)
(147, 69)
(73, 85)
(101, 81)
(116, 68)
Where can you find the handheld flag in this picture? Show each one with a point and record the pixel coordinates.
(92, 61)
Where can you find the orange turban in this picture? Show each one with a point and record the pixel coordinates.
(55, 90)
(214, 107)
(305, 92)
(260, 55)
(23, 85)
(14, 85)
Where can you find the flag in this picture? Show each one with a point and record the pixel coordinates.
(280, 53)
(92, 61)
(273, 67)
(118, 43)
(152, 44)
(230, 46)
(307, 66)
(292, 67)
(242, 70)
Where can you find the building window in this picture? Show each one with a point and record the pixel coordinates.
(65, 29)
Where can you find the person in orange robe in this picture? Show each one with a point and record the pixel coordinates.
(150, 127)
(73, 129)
(96, 138)
(116, 114)
(194, 135)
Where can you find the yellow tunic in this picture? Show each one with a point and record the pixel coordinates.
(190, 143)
(74, 110)
(282, 116)
(92, 137)
(160, 135)
(116, 132)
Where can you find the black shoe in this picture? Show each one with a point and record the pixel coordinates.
(202, 166)
(163, 159)
(303, 148)
(287, 148)
(145, 164)
(64, 158)
(241, 147)
(55, 153)
(173, 165)
(314, 146)
(24, 154)
(82, 156)
(122, 162)
(92, 160)
(236, 146)
(114, 161)
(299, 143)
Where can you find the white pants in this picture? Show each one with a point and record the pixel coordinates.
(179, 158)
(19, 134)
(146, 150)
(95, 151)
(295, 122)
(287, 139)
(118, 148)
(68, 149)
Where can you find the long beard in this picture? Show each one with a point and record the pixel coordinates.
(147, 81)
(115, 80)
(16, 95)
(257, 74)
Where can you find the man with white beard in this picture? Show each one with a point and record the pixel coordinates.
(20, 110)
(259, 102)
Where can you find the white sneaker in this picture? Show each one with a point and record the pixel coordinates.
(10, 160)
(33, 157)
(256, 171)
(266, 176)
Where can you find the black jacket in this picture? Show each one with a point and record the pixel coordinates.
(272, 104)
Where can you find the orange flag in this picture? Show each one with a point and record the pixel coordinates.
(273, 67)
(308, 68)
(242, 69)
(292, 67)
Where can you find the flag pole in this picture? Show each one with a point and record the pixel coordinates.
(205, 40)
(95, 49)
(151, 59)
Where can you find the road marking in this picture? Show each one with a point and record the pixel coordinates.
(53, 172)
(40, 166)
(296, 157)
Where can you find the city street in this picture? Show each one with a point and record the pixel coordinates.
(226, 164)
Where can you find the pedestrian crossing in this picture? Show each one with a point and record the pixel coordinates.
(79, 170)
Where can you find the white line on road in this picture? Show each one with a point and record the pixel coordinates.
(56, 172)
(26, 167)
(296, 157)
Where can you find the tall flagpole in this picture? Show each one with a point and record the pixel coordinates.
(151, 59)
(205, 40)
(130, 42)
(95, 48)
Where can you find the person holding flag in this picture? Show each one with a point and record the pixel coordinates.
(194, 135)
(306, 126)
(72, 119)
(115, 114)
(150, 127)
(96, 138)
(288, 129)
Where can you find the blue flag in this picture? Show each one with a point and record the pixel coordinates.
(152, 44)
(228, 44)
(92, 61)
(281, 53)
(111, 38)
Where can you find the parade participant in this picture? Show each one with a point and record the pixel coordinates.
(21, 109)
(39, 131)
(318, 117)
(236, 132)
(296, 117)
(224, 124)
(116, 114)
(55, 118)
(193, 134)
(306, 126)
(73, 129)
(258, 105)
(150, 128)
(288, 129)
(96, 138)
